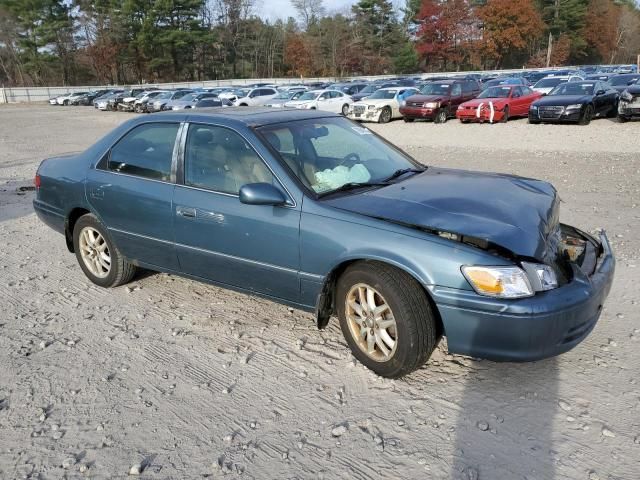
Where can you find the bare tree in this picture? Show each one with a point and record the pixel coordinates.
(309, 11)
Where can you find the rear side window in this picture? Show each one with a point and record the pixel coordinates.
(146, 151)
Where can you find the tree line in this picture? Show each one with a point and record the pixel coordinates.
(80, 42)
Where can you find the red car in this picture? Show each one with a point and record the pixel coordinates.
(498, 104)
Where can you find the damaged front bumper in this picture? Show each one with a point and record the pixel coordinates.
(527, 329)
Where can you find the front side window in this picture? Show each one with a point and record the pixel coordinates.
(328, 153)
(219, 159)
(146, 151)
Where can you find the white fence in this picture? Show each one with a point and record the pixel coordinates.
(42, 94)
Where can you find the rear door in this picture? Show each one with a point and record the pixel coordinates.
(131, 190)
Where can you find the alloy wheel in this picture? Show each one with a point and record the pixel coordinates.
(94, 251)
(371, 322)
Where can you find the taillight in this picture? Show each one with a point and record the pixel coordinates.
(36, 181)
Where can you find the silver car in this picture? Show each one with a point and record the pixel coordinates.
(283, 97)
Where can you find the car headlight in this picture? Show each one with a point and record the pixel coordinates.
(371, 107)
(501, 282)
(432, 105)
(533, 107)
(541, 276)
(576, 106)
(403, 103)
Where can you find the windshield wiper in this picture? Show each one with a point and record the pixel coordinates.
(402, 171)
(352, 186)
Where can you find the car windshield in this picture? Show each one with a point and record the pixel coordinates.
(573, 88)
(328, 153)
(164, 95)
(495, 92)
(549, 82)
(309, 96)
(436, 89)
(180, 94)
(369, 89)
(190, 97)
(383, 94)
(621, 80)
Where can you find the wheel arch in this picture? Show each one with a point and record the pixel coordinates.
(69, 224)
(326, 302)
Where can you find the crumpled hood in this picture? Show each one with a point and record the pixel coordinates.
(515, 213)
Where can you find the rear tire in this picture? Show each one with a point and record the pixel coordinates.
(408, 120)
(91, 239)
(587, 115)
(345, 109)
(622, 119)
(408, 321)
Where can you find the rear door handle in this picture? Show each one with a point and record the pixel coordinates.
(186, 212)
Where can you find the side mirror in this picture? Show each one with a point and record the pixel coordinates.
(261, 194)
(544, 94)
(600, 92)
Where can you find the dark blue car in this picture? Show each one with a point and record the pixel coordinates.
(316, 212)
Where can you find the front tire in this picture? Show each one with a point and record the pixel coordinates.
(408, 120)
(441, 116)
(385, 115)
(587, 115)
(505, 115)
(386, 318)
(345, 109)
(98, 256)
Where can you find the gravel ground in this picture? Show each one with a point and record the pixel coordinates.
(175, 379)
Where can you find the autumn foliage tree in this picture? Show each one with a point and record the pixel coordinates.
(445, 32)
(507, 29)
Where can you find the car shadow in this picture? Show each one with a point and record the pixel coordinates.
(16, 199)
(504, 427)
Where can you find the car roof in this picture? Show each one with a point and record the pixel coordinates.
(249, 116)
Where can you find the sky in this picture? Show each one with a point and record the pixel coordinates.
(274, 9)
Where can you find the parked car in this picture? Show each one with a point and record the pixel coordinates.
(621, 82)
(327, 100)
(438, 101)
(160, 102)
(381, 106)
(234, 93)
(505, 81)
(629, 104)
(256, 97)
(129, 95)
(602, 77)
(212, 102)
(366, 91)
(306, 209)
(189, 100)
(128, 104)
(350, 88)
(102, 103)
(283, 97)
(577, 102)
(68, 98)
(141, 105)
(549, 83)
(498, 104)
(87, 98)
(534, 77)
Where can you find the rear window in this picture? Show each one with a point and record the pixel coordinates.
(146, 151)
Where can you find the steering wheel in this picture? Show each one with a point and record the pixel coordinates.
(353, 158)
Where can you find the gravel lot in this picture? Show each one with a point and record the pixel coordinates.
(186, 380)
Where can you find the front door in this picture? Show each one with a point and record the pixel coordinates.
(252, 247)
(131, 190)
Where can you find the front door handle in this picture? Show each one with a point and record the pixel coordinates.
(186, 212)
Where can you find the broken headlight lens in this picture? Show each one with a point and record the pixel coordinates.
(541, 276)
(501, 282)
